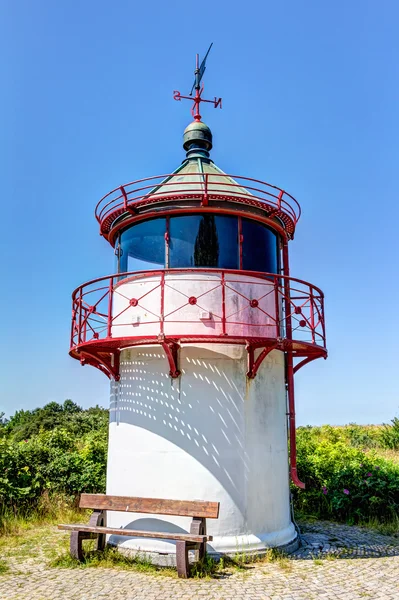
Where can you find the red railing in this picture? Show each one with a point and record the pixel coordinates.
(187, 304)
(203, 186)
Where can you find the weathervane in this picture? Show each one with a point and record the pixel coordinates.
(197, 99)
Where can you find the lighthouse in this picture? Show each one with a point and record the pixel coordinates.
(200, 330)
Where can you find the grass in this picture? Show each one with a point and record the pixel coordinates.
(241, 562)
(390, 528)
(15, 524)
(273, 555)
(110, 558)
(3, 567)
(392, 455)
(208, 568)
(34, 536)
(332, 556)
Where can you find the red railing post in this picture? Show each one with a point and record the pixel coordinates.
(290, 370)
(73, 324)
(205, 196)
(280, 196)
(292, 425)
(277, 306)
(125, 201)
(162, 308)
(312, 314)
(110, 299)
(223, 304)
(322, 319)
(80, 316)
(287, 304)
(87, 316)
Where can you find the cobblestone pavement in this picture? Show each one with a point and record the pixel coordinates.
(334, 561)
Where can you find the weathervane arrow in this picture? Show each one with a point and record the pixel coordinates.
(197, 99)
(199, 72)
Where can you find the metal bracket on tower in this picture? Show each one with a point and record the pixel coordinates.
(108, 363)
(254, 364)
(172, 354)
(305, 361)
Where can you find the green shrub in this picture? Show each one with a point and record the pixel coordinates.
(343, 482)
(62, 460)
(49, 455)
(360, 436)
(390, 435)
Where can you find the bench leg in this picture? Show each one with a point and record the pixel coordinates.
(98, 518)
(202, 551)
(198, 527)
(182, 559)
(100, 542)
(76, 545)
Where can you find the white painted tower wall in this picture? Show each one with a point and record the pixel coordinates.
(211, 434)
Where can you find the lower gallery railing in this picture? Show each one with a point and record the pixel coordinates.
(197, 303)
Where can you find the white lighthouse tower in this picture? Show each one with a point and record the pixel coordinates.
(200, 331)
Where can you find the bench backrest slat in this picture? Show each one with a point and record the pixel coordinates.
(181, 508)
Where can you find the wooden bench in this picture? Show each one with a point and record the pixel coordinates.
(96, 529)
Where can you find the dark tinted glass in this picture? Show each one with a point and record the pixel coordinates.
(198, 241)
(203, 241)
(143, 246)
(259, 247)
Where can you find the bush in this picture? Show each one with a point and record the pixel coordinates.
(62, 455)
(344, 482)
(390, 435)
(50, 455)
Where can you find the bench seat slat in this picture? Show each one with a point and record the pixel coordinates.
(181, 508)
(196, 539)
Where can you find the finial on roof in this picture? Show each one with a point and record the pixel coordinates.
(197, 140)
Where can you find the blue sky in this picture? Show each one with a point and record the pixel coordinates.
(310, 103)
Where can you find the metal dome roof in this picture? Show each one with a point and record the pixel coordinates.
(197, 137)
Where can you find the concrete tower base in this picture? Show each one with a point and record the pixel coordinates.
(211, 434)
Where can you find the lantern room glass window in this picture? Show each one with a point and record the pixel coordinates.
(259, 247)
(142, 247)
(198, 240)
(205, 240)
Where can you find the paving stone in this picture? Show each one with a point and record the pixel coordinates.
(367, 566)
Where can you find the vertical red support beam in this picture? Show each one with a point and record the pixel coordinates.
(312, 314)
(116, 360)
(110, 298)
(162, 307)
(290, 370)
(223, 305)
(125, 200)
(240, 241)
(287, 304)
(280, 196)
(80, 316)
(277, 305)
(292, 426)
(205, 196)
(73, 324)
(167, 239)
(321, 317)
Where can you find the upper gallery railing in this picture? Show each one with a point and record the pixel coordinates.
(202, 186)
